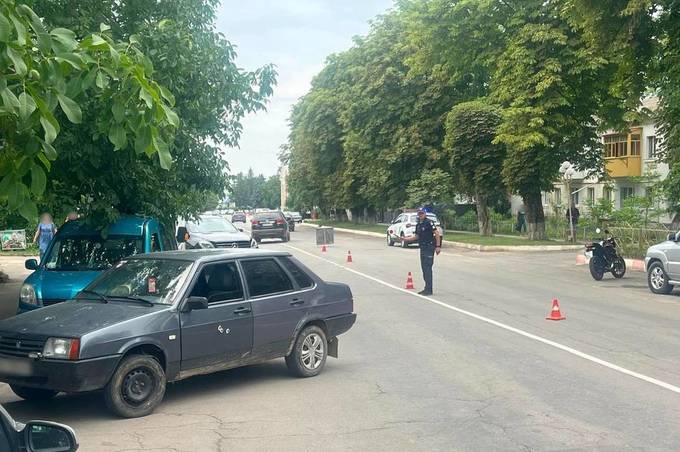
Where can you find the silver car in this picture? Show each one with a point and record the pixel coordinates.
(663, 264)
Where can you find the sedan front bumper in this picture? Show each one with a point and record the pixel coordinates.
(58, 375)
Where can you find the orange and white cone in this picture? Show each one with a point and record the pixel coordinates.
(349, 256)
(555, 313)
(409, 282)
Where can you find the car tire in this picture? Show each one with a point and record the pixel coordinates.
(403, 243)
(304, 360)
(596, 266)
(33, 394)
(657, 279)
(390, 242)
(136, 388)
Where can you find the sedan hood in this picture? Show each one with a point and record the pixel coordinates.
(75, 318)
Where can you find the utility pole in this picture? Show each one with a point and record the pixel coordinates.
(567, 171)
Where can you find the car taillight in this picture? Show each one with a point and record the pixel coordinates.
(254, 222)
(280, 221)
(74, 351)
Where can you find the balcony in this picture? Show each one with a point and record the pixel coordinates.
(628, 166)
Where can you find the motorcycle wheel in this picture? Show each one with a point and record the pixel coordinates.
(596, 266)
(619, 268)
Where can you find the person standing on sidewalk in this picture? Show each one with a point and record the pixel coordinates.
(430, 241)
(44, 233)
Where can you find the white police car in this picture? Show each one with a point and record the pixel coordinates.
(405, 226)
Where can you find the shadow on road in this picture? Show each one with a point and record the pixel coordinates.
(71, 408)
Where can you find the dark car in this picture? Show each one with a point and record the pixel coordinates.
(36, 436)
(238, 217)
(211, 231)
(270, 225)
(291, 222)
(162, 317)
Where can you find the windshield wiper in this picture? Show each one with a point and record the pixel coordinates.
(101, 296)
(137, 299)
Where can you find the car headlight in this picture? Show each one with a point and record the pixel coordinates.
(253, 243)
(28, 295)
(205, 244)
(60, 348)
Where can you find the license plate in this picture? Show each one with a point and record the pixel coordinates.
(15, 367)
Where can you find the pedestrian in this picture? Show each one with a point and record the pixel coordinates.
(521, 225)
(44, 233)
(430, 241)
(574, 215)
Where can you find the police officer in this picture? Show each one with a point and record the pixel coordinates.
(430, 242)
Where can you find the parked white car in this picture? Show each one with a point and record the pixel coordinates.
(297, 217)
(405, 226)
(662, 263)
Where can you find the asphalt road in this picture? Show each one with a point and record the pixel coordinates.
(476, 367)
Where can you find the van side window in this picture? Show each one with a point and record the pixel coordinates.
(303, 280)
(265, 276)
(218, 282)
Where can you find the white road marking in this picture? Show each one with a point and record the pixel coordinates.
(551, 343)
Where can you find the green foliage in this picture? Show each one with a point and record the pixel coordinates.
(250, 192)
(433, 187)
(196, 67)
(48, 74)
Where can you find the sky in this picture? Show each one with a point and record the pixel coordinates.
(297, 36)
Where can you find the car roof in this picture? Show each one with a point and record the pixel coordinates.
(212, 254)
(131, 225)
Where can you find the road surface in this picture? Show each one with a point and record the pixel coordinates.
(476, 367)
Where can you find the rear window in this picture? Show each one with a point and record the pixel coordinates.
(268, 216)
(303, 280)
(265, 277)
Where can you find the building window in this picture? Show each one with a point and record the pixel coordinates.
(608, 193)
(591, 195)
(626, 192)
(558, 196)
(574, 198)
(616, 145)
(635, 144)
(652, 143)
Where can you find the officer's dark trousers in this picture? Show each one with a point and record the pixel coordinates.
(426, 262)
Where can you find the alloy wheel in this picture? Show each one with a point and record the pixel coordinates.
(312, 351)
(657, 278)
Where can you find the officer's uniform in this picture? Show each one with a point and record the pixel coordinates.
(426, 239)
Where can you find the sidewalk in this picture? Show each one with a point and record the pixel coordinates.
(470, 246)
(9, 291)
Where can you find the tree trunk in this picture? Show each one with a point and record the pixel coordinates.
(535, 217)
(483, 214)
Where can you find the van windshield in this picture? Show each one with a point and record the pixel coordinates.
(91, 252)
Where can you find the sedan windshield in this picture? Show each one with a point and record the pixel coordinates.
(91, 252)
(153, 280)
(207, 225)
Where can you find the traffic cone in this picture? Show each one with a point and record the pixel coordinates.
(349, 256)
(409, 282)
(555, 313)
(323, 248)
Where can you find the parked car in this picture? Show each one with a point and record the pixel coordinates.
(405, 226)
(210, 231)
(78, 254)
(270, 225)
(162, 317)
(296, 216)
(238, 217)
(35, 436)
(291, 221)
(663, 265)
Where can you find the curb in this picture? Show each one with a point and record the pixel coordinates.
(469, 246)
(636, 265)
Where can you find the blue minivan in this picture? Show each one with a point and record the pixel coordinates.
(78, 254)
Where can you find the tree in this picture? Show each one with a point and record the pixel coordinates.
(271, 193)
(476, 161)
(211, 95)
(42, 69)
(431, 188)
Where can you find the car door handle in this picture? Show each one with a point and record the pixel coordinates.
(297, 302)
(241, 310)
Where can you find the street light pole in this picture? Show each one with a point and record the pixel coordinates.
(567, 170)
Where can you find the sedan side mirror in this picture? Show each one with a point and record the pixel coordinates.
(182, 234)
(194, 303)
(31, 264)
(43, 436)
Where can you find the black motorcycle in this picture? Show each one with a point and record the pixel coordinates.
(605, 257)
